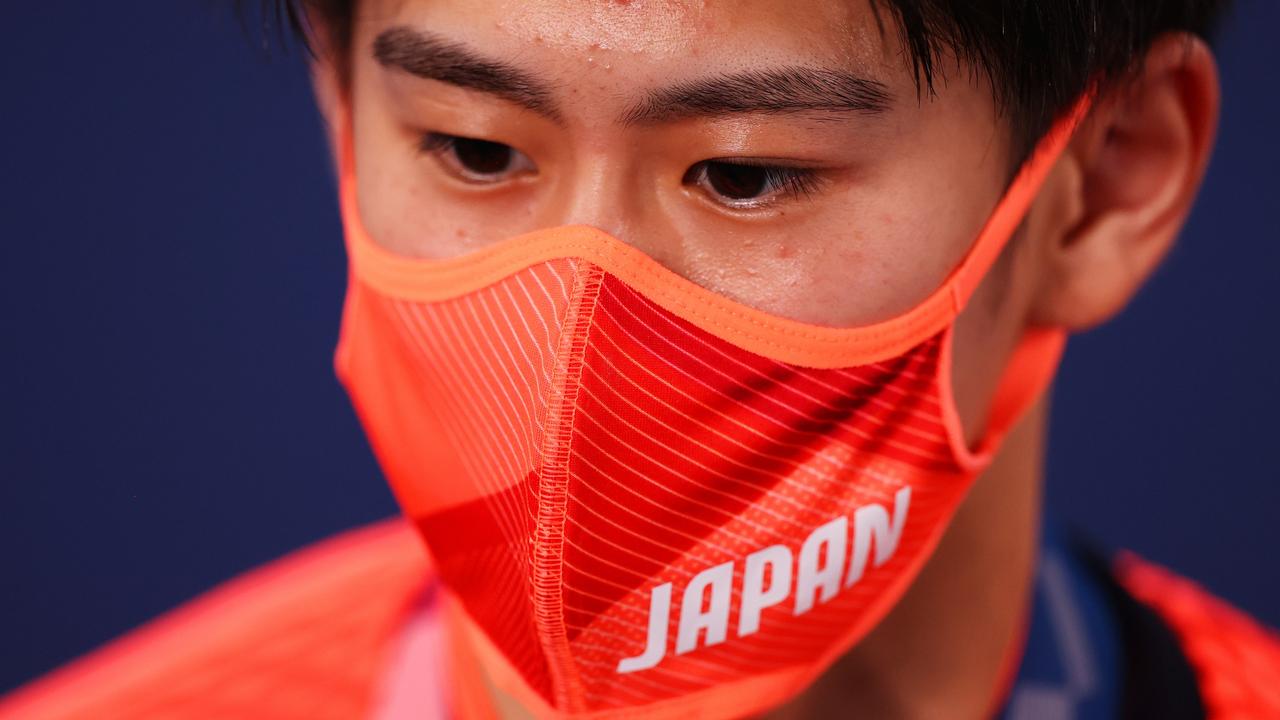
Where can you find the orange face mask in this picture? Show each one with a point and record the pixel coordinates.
(644, 495)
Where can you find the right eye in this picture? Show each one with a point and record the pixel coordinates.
(476, 161)
(748, 183)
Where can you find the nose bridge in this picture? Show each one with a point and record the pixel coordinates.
(601, 191)
(608, 183)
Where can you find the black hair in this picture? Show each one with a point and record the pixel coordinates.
(1038, 55)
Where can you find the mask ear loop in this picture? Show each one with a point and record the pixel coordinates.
(1028, 373)
(1013, 207)
(1034, 361)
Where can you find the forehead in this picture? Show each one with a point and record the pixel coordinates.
(667, 37)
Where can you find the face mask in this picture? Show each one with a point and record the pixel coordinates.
(643, 494)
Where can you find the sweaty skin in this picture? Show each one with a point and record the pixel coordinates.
(893, 197)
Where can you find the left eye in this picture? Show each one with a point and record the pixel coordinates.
(475, 160)
(743, 184)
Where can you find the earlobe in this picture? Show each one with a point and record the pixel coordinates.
(1116, 203)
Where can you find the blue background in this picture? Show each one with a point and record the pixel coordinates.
(172, 272)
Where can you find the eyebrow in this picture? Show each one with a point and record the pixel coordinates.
(785, 90)
(775, 91)
(432, 57)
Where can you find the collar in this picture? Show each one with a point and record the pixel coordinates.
(1071, 663)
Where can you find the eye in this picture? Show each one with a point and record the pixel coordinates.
(476, 161)
(749, 184)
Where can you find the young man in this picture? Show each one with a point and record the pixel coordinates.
(705, 345)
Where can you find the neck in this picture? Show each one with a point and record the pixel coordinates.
(946, 648)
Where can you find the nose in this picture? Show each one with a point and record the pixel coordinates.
(617, 197)
(599, 191)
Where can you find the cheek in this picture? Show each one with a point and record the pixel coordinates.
(836, 269)
(404, 203)
(407, 210)
(855, 264)
(886, 246)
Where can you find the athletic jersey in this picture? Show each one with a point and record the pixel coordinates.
(355, 627)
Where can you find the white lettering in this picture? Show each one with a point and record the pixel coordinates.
(871, 524)
(766, 581)
(755, 597)
(656, 646)
(834, 536)
(715, 620)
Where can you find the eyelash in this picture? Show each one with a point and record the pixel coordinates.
(798, 183)
(435, 143)
(498, 162)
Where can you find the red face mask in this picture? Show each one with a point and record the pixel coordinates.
(643, 494)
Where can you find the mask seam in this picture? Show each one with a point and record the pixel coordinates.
(553, 482)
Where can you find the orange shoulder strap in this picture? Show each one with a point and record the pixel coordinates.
(304, 636)
(1237, 660)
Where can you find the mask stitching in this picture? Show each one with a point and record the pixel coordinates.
(553, 492)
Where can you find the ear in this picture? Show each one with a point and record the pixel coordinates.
(1119, 196)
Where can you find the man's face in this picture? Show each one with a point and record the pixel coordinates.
(775, 151)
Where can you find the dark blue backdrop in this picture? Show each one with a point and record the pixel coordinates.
(171, 278)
